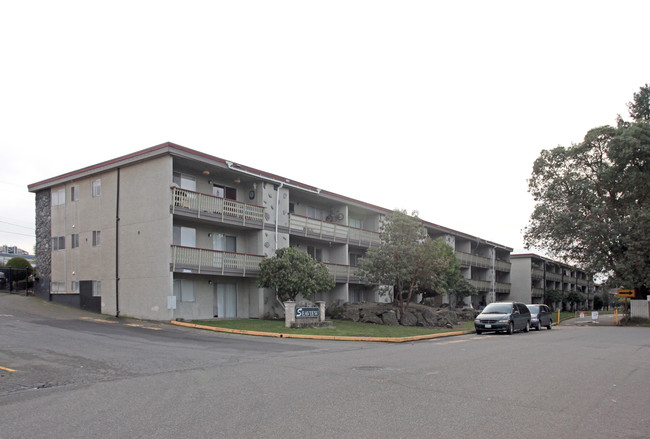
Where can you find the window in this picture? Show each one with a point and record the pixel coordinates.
(58, 197)
(356, 223)
(97, 288)
(184, 290)
(355, 258)
(184, 181)
(58, 243)
(184, 236)
(97, 238)
(355, 295)
(97, 187)
(315, 253)
(57, 287)
(224, 192)
(224, 243)
(74, 193)
(313, 212)
(74, 241)
(74, 286)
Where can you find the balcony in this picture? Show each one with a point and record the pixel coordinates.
(203, 261)
(537, 273)
(343, 273)
(312, 228)
(537, 292)
(198, 205)
(554, 276)
(470, 260)
(486, 285)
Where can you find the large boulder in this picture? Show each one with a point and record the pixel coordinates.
(390, 318)
(370, 317)
(408, 319)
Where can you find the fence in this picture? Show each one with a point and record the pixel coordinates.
(15, 280)
(639, 308)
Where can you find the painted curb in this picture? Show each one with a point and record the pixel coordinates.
(322, 337)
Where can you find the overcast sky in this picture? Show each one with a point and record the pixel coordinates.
(439, 107)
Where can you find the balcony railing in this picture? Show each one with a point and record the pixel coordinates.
(313, 228)
(211, 207)
(554, 276)
(537, 292)
(203, 261)
(537, 273)
(343, 273)
(486, 285)
(471, 260)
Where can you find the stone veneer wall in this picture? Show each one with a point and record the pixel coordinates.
(43, 243)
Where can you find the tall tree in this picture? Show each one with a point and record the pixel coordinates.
(292, 272)
(639, 108)
(593, 200)
(409, 260)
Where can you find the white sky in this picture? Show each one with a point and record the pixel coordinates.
(439, 107)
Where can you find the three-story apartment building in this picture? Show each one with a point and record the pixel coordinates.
(534, 275)
(169, 232)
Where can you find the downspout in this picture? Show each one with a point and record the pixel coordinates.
(277, 219)
(117, 247)
(277, 215)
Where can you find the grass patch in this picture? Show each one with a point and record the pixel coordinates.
(341, 328)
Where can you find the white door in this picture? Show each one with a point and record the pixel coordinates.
(225, 301)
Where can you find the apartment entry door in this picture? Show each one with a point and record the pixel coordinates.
(225, 300)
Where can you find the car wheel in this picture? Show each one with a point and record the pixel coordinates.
(479, 332)
(538, 327)
(511, 328)
(550, 325)
(527, 327)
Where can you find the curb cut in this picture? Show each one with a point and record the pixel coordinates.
(321, 337)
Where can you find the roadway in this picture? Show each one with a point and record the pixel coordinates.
(65, 373)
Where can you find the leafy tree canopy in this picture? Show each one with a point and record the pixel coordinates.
(291, 272)
(593, 199)
(409, 260)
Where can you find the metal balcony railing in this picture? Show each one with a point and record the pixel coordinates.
(537, 273)
(314, 228)
(486, 285)
(343, 273)
(481, 261)
(215, 207)
(203, 261)
(537, 292)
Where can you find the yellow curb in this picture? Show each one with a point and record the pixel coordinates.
(322, 337)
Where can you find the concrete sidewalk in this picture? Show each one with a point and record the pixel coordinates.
(587, 320)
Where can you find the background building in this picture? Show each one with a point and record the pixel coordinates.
(8, 251)
(169, 232)
(533, 276)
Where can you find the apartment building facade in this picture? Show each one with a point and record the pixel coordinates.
(169, 232)
(533, 276)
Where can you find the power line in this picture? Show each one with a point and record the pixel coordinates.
(15, 233)
(17, 225)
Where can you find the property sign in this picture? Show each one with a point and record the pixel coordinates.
(594, 315)
(625, 293)
(307, 312)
